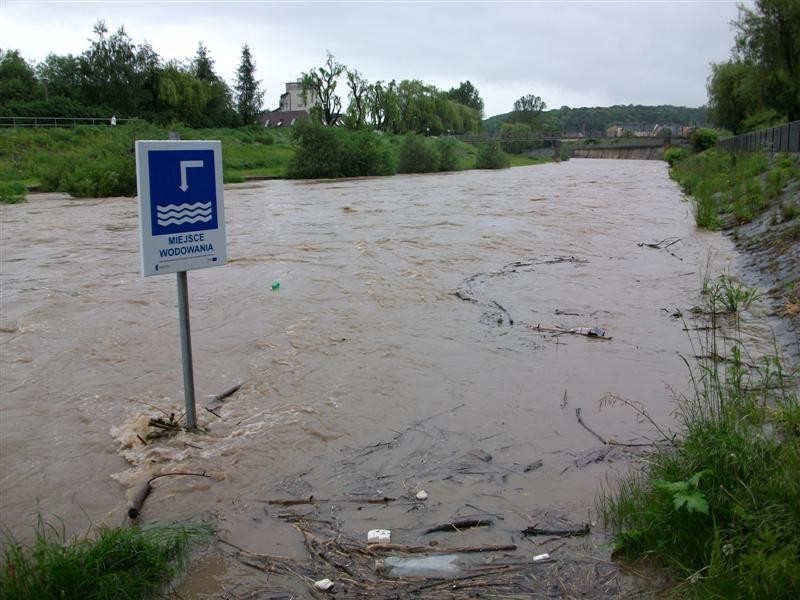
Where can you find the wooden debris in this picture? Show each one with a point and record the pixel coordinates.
(587, 428)
(138, 500)
(584, 530)
(439, 549)
(460, 525)
(480, 454)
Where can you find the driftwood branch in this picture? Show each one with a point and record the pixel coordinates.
(556, 532)
(587, 428)
(138, 500)
(439, 549)
(459, 525)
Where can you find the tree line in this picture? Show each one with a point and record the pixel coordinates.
(391, 107)
(591, 120)
(115, 75)
(760, 85)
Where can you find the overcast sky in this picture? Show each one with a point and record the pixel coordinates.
(569, 53)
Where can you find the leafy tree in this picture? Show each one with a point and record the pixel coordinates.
(467, 94)
(359, 98)
(181, 96)
(60, 76)
(516, 137)
(381, 107)
(733, 94)
(118, 73)
(249, 98)
(321, 83)
(17, 78)
(528, 109)
(768, 36)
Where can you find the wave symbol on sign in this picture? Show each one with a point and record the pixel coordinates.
(177, 214)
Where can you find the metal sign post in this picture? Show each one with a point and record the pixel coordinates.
(186, 349)
(181, 224)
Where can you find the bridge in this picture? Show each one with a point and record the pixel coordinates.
(642, 148)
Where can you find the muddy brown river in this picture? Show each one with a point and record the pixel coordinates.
(421, 326)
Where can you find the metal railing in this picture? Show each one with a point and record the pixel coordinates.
(783, 138)
(61, 121)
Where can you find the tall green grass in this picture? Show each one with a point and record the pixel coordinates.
(720, 506)
(122, 563)
(87, 161)
(732, 187)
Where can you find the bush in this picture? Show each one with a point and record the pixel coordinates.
(703, 139)
(418, 155)
(330, 152)
(674, 155)
(318, 152)
(491, 156)
(448, 154)
(12, 192)
(365, 153)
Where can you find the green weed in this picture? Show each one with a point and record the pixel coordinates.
(736, 184)
(12, 192)
(125, 563)
(719, 505)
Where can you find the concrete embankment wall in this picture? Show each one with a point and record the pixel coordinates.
(623, 152)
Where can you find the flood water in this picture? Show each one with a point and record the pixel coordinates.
(417, 322)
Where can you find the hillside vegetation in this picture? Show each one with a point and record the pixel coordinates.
(598, 119)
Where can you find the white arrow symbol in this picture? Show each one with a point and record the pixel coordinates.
(188, 164)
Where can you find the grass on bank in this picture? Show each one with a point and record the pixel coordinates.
(87, 161)
(720, 507)
(734, 187)
(120, 563)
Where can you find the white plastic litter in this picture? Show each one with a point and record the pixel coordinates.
(432, 567)
(379, 536)
(422, 495)
(323, 584)
(541, 557)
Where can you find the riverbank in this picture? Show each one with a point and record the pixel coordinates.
(717, 507)
(755, 199)
(91, 162)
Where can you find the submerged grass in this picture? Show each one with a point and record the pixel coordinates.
(720, 508)
(119, 563)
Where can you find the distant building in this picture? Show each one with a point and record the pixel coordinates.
(292, 107)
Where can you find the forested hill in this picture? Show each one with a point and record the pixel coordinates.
(573, 120)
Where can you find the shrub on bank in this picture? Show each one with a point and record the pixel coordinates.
(323, 152)
(491, 156)
(418, 155)
(674, 155)
(449, 154)
(12, 192)
(703, 139)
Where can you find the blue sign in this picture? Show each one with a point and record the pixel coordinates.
(181, 205)
(183, 196)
